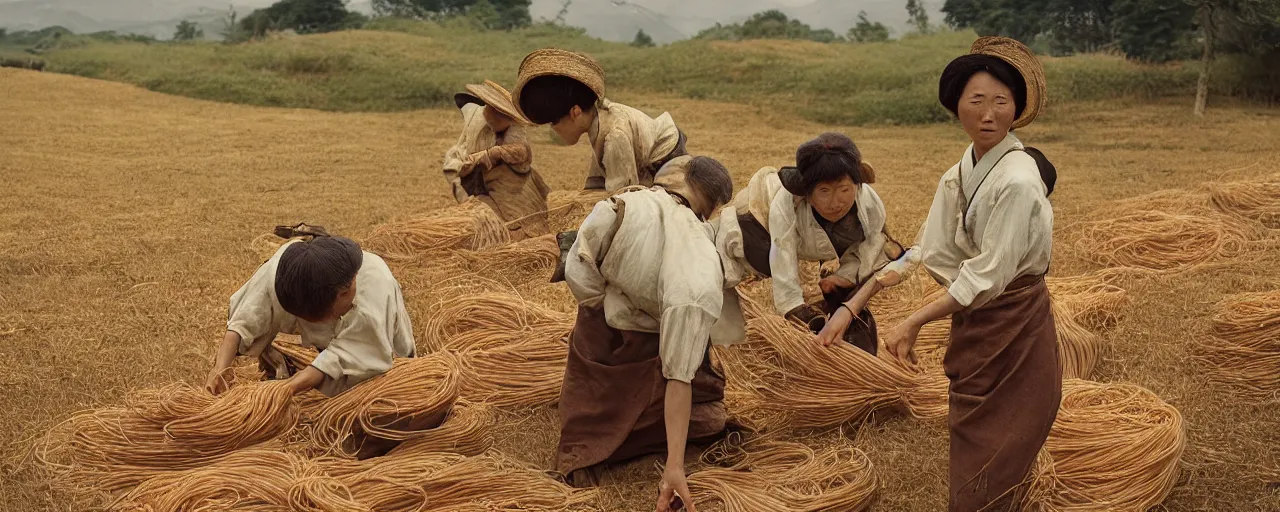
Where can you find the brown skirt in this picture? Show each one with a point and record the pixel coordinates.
(1006, 385)
(611, 402)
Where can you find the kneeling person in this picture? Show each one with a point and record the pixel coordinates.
(652, 296)
(342, 301)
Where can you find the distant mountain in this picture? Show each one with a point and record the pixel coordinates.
(150, 17)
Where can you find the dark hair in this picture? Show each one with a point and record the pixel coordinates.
(957, 74)
(547, 99)
(711, 179)
(828, 157)
(311, 273)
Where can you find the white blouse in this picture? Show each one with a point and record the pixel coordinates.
(1006, 234)
(358, 346)
(656, 270)
(624, 140)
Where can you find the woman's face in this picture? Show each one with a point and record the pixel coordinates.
(571, 127)
(497, 121)
(986, 110)
(833, 199)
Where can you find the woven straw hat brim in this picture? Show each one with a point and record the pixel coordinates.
(462, 99)
(554, 61)
(496, 96)
(1021, 58)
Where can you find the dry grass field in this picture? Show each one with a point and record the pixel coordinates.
(127, 218)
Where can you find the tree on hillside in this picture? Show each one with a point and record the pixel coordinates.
(231, 31)
(188, 31)
(864, 31)
(302, 16)
(1153, 30)
(918, 16)
(1079, 26)
(511, 13)
(771, 24)
(484, 15)
(1019, 19)
(642, 40)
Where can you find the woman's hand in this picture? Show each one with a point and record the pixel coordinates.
(836, 327)
(833, 282)
(674, 485)
(901, 341)
(219, 380)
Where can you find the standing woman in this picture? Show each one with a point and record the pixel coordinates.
(987, 239)
(822, 209)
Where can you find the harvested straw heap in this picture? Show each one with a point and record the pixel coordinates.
(470, 225)
(1244, 349)
(1114, 447)
(1160, 240)
(766, 475)
(1258, 200)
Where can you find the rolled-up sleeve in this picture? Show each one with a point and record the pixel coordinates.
(581, 269)
(1005, 242)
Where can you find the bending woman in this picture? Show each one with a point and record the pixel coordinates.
(987, 239)
(822, 209)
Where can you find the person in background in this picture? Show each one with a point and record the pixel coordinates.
(492, 161)
(988, 239)
(823, 209)
(566, 90)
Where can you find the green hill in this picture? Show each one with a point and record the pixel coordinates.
(406, 65)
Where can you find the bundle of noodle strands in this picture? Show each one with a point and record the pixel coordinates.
(1257, 200)
(420, 480)
(1092, 299)
(470, 225)
(566, 209)
(171, 428)
(413, 390)
(246, 480)
(1161, 240)
(1244, 349)
(465, 432)
(531, 259)
(514, 368)
(1114, 447)
(783, 378)
(452, 320)
(770, 475)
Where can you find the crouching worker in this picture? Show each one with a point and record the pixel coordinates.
(823, 209)
(342, 301)
(493, 162)
(651, 298)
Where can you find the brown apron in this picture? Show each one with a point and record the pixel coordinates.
(611, 402)
(1006, 386)
(519, 199)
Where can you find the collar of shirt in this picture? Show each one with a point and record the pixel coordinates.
(972, 174)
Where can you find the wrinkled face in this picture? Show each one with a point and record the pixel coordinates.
(986, 110)
(497, 121)
(833, 199)
(571, 127)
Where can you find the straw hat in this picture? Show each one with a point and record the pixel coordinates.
(1021, 58)
(554, 61)
(491, 94)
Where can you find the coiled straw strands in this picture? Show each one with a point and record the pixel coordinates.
(1114, 447)
(471, 225)
(416, 387)
(1091, 299)
(246, 480)
(464, 432)
(461, 312)
(1159, 240)
(568, 208)
(1257, 200)
(766, 475)
(1244, 350)
(516, 368)
(800, 384)
(443, 481)
(527, 260)
(170, 428)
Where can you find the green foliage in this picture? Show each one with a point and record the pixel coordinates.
(1155, 30)
(301, 16)
(864, 31)
(918, 16)
(642, 40)
(187, 31)
(771, 24)
(497, 14)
